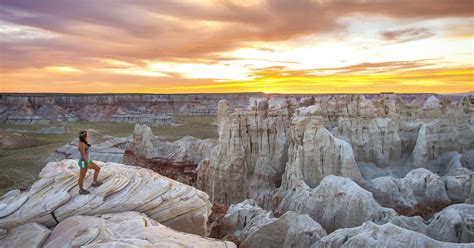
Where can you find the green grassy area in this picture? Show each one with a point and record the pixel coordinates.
(20, 167)
(196, 126)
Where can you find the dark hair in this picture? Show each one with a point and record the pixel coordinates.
(82, 138)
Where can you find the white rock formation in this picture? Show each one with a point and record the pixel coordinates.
(314, 153)
(337, 202)
(250, 226)
(55, 197)
(387, 235)
(177, 160)
(420, 192)
(186, 149)
(251, 153)
(454, 224)
(432, 107)
(26, 235)
(373, 140)
(126, 229)
(440, 136)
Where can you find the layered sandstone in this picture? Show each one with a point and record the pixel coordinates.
(251, 153)
(125, 229)
(54, 197)
(177, 160)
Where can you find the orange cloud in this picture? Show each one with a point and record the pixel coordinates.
(108, 46)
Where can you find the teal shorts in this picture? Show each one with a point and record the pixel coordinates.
(82, 164)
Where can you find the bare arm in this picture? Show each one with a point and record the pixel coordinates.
(82, 149)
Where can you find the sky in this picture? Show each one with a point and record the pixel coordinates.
(207, 46)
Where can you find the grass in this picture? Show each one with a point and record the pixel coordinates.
(19, 168)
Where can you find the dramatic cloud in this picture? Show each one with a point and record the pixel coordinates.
(406, 35)
(146, 44)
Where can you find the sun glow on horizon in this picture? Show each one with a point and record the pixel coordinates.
(215, 47)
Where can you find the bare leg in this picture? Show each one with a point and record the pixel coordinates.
(96, 169)
(82, 174)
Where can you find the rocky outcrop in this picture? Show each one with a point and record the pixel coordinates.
(315, 153)
(26, 235)
(251, 153)
(104, 148)
(372, 134)
(20, 119)
(177, 160)
(55, 197)
(250, 226)
(387, 235)
(420, 192)
(151, 109)
(373, 140)
(125, 229)
(454, 224)
(440, 136)
(337, 202)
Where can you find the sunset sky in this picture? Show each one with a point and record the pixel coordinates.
(197, 46)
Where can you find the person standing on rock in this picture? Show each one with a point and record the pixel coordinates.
(85, 162)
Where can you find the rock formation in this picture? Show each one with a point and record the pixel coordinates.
(454, 224)
(420, 192)
(250, 226)
(26, 235)
(387, 235)
(125, 229)
(337, 202)
(371, 170)
(104, 148)
(251, 153)
(440, 136)
(55, 197)
(151, 109)
(314, 153)
(177, 160)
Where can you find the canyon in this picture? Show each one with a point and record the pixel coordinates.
(285, 171)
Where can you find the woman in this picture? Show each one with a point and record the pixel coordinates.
(85, 162)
